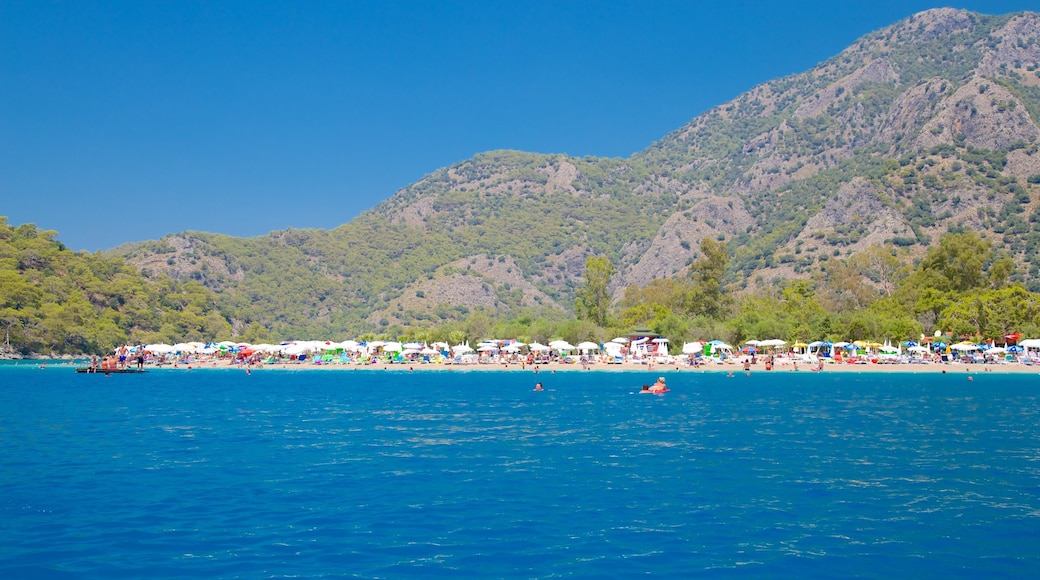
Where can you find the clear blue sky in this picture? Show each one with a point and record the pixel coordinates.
(125, 121)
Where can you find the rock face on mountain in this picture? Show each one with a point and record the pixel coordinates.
(926, 126)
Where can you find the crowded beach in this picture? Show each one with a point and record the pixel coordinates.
(635, 352)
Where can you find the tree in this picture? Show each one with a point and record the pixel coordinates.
(706, 296)
(593, 298)
(957, 264)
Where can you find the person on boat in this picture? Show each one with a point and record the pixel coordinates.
(140, 358)
(123, 352)
(93, 365)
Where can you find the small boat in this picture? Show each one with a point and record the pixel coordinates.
(109, 371)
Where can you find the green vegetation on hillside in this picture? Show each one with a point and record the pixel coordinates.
(53, 300)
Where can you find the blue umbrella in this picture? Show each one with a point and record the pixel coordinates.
(909, 343)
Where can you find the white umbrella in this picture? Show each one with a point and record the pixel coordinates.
(429, 350)
(964, 347)
(392, 347)
(461, 348)
(772, 342)
(160, 348)
(487, 348)
(996, 350)
(515, 347)
(587, 345)
(561, 345)
(660, 340)
(537, 346)
(692, 347)
(753, 342)
(619, 340)
(295, 349)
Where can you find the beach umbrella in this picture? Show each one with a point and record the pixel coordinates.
(160, 348)
(534, 346)
(515, 347)
(753, 342)
(561, 345)
(392, 347)
(429, 350)
(1015, 348)
(487, 348)
(996, 350)
(461, 348)
(800, 345)
(619, 340)
(692, 347)
(587, 345)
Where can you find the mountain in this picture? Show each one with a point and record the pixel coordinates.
(925, 127)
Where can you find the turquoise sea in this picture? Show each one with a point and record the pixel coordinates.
(390, 474)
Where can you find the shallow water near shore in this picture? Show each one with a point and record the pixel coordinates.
(386, 474)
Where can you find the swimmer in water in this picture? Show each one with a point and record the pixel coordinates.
(538, 387)
(659, 386)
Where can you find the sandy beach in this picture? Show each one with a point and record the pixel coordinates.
(629, 367)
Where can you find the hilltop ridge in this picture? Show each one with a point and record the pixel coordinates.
(924, 127)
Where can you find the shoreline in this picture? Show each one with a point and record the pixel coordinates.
(552, 368)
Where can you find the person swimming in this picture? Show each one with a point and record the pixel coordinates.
(659, 386)
(538, 387)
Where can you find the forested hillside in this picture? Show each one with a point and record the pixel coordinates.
(833, 187)
(55, 301)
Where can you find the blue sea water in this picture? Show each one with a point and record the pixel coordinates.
(387, 474)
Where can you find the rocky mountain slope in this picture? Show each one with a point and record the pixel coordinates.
(927, 126)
